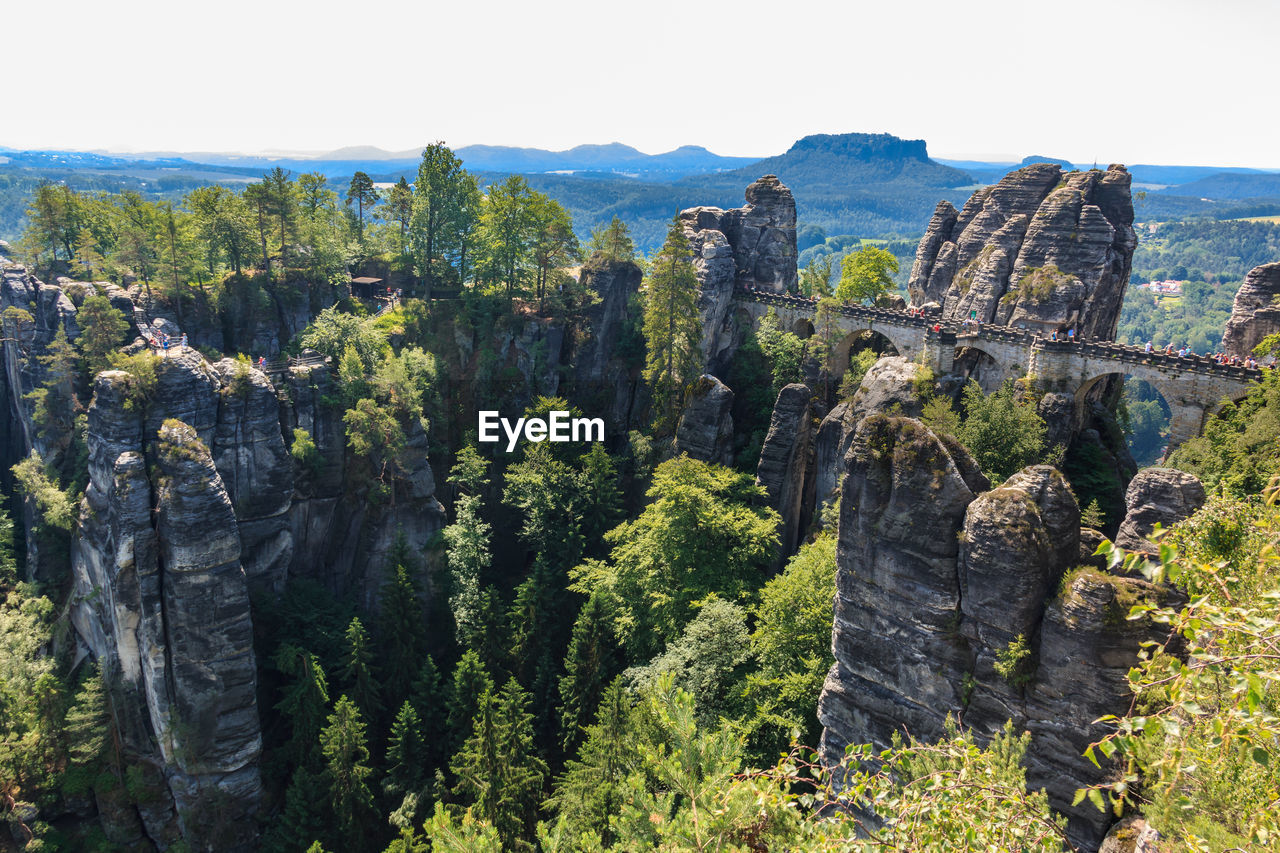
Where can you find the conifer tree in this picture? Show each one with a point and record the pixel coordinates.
(470, 682)
(301, 820)
(592, 788)
(406, 753)
(400, 625)
(430, 701)
(363, 194)
(600, 499)
(346, 754)
(357, 670)
(305, 703)
(672, 330)
(467, 542)
(591, 663)
(102, 330)
(491, 640)
(613, 241)
(498, 769)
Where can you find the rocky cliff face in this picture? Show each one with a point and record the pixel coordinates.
(1161, 496)
(1255, 312)
(938, 575)
(751, 246)
(706, 427)
(786, 463)
(604, 376)
(162, 600)
(1042, 248)
(193, 503)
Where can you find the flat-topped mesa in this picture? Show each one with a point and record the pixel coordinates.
(751, 246)
(1041, 249)
(1255, 312)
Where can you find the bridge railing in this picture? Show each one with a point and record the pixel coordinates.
(967, 332)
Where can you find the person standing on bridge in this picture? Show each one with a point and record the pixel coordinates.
(1071, 335)
(184, 340)
(1149, 347)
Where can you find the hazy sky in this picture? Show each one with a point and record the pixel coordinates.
(1154, 81)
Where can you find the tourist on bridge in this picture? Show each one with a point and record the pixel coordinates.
(1149, 348)
(184, 340)
(1071, 335)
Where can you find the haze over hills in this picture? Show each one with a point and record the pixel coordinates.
(872, 185)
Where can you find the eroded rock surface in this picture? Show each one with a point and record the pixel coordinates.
(1042, 249)
(1255, 312)
(706, 426)
(786, 460)
(750, 246)
(1162, 496)
(601, 379)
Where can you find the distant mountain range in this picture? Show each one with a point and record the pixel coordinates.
(852, 183)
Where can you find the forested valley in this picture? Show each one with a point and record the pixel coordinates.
(614, 645)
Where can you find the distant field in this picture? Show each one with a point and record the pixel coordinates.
(1272, 219)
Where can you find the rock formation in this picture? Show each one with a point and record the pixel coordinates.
(937, 577)
(1255, 312)
(1162, 496)
(1042, 249)
(706, 426)
(751, 246)
(786, 460)
(602, 380)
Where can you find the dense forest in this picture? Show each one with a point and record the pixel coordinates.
(600, 650)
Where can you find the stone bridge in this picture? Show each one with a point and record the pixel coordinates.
(1193, 387)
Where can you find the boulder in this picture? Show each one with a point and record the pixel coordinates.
(1162, 496)
(706, 425)
(1255, 312)
(889, 387)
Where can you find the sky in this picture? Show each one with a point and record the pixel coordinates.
(1135, 81)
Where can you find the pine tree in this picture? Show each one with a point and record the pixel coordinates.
(357, 676)
(400, 625)
(537, 644)
(491, 642)
(470, 682)
(305, 703)
(592, 662)
(406, 753)
(430, 701)
(102, 330)
(613, 241)
(346, 753)
(592, 788)
(467, 541)
(301, 821)
(364, 194)
(498, 768)
(87, 726)
(601, 501)
(672, 329)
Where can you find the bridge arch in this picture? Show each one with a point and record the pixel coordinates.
(983, 365)
(873, 339)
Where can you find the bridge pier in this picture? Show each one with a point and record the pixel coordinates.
(1185, 422)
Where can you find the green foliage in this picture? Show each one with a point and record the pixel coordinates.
(29, 700)
(1003, 433)
(1015, 663)
(466, 835)
(1091, 516)
(708, 660)
(1203, 736)
(590, 664)
(940, 416)
(782, 350)
(471, 681)
(612, 241)
(333, 330)
(866, 274)
(140, 372)
(102, 331)
(39, 485)
(305, 703)
(859, 363)
(497, 768)
(467, 545)
(672, 329)
(815, 278)
(402, 638)
(304, 451)
(1238, 450)
(347, 772)
(356, 675)
(792, 643)
(406, 752)
(701, 533)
